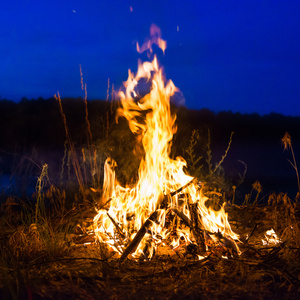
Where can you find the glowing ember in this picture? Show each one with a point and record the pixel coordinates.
(138, 216)
(271, 238)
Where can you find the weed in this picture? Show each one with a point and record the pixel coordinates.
(214, 181)
(73, 155)
(256, 187)
(208, 154)
(63, 163)
(192, 159)
(284, 214)
(223, 156)
(287, 144)
(40, 211)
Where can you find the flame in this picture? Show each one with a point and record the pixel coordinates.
(271, 238)
(150, 118)
(155, 38)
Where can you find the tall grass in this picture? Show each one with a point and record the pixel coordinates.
(90, 145)
(72, 151)
(213, 179)
(88, 167)
(287, 143)
(40, 210)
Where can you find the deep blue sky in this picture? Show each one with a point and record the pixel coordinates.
(238, 55)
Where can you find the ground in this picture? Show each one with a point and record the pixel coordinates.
(93, 271)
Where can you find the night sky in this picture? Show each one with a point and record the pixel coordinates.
(236, 55)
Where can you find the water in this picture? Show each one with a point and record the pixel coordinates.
(17, 185)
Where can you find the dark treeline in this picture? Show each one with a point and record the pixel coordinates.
(38, 124)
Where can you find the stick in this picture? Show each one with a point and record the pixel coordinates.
(117, 226)
(196, 230)
(251, 233)
(167, 197)
(140, 234)
(182, 216)
(182, 188)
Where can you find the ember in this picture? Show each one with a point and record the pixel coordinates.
(166, 205)
(270, 238)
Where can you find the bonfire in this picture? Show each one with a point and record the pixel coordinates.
(166, 206)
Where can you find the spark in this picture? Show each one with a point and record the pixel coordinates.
(177, 28)
(74, 11)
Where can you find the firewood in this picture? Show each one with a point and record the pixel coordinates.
(196, 227)
(140, 234)
(119, 230)
(251, 233)
(186, 220)
(166, 199)
(163, 204)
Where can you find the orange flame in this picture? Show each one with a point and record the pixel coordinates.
(155, 38)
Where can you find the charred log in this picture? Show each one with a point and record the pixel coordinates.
(140, 234)
(186, 220)
(166, 199)
(196, 227)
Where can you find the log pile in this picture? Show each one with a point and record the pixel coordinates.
(203, 242)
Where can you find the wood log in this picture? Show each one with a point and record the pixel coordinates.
(140, 234)
(196, 227)
(182, 188)
(186, 220)
(166, 199)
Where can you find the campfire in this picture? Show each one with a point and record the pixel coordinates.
(166, 206)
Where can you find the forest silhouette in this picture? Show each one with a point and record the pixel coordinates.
(34, 129)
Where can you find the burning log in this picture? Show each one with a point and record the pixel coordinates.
(166, 198)
(119, 230)
(195, 226)
(186, 220)
(140, 234)
(210, 239)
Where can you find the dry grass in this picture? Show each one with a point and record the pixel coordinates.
(41, 264)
